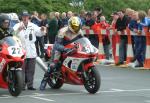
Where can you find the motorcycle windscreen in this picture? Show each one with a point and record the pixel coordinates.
(12, 45)
(10, 41)
(86, 46)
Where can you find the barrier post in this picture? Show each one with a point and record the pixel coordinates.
(113, 41)
(129, 47)
(116, 56)
(147, 54)
(101, 49)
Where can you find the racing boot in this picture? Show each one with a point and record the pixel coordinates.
(51, 68)
(45, 79)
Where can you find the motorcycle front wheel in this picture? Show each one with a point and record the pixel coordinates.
(55, 80)
(92, 80)
(15, 82)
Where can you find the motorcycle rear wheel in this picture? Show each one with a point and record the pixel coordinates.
(15, 82)
(93, 81)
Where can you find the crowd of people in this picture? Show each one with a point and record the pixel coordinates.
(36, 29)
(95, 20)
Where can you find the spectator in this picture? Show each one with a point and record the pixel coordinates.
(129, 12)
(89, 21)
(133, 26)
(35, 18)
(95, 16)
(27, 33)
(133, 23)
(37, 21)
(146, 21)
(105, 38)
(121, 25)
(64, 19)
(114, 16)
(140, 40)
(52, 27)
(75, 14)
(59, 21)
(114, 37)
(69, 14)
(82, 17)
(43, 39)
(44, 22)
(98, 11)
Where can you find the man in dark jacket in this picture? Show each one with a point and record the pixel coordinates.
(121, 25)
(52, 28)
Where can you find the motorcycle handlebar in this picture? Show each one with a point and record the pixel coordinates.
(71, 51)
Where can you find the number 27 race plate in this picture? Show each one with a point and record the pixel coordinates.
(15, 51)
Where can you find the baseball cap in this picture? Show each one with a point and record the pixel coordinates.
(25, 13)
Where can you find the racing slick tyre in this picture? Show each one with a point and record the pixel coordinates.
(93, 80)
(15, 82)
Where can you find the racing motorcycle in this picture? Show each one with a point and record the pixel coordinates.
(77, 67)
(11, 60)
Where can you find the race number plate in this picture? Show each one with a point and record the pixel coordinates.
(15, 51)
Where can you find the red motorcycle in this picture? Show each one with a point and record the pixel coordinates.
(11, 60)
(77, 68)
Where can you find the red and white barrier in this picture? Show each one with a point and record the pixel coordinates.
(130, 55)
(116, 42)
(147, 54)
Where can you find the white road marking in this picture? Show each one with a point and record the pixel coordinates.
(45, 99)
(5, 97)
(117, 90)
(120, 90)
(147, 101)
(36, 93)
(82, 92)
(135, 90)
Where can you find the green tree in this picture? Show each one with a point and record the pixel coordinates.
(46, 6)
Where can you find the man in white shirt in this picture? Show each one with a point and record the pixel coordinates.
(27, 33)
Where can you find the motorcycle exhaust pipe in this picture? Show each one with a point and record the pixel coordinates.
(41, 64)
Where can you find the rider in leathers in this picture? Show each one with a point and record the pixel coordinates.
(65, 35)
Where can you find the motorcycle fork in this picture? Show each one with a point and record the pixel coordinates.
(84, 73)
(11, 77)
(11, 73)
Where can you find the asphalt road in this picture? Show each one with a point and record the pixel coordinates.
(118, 85)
